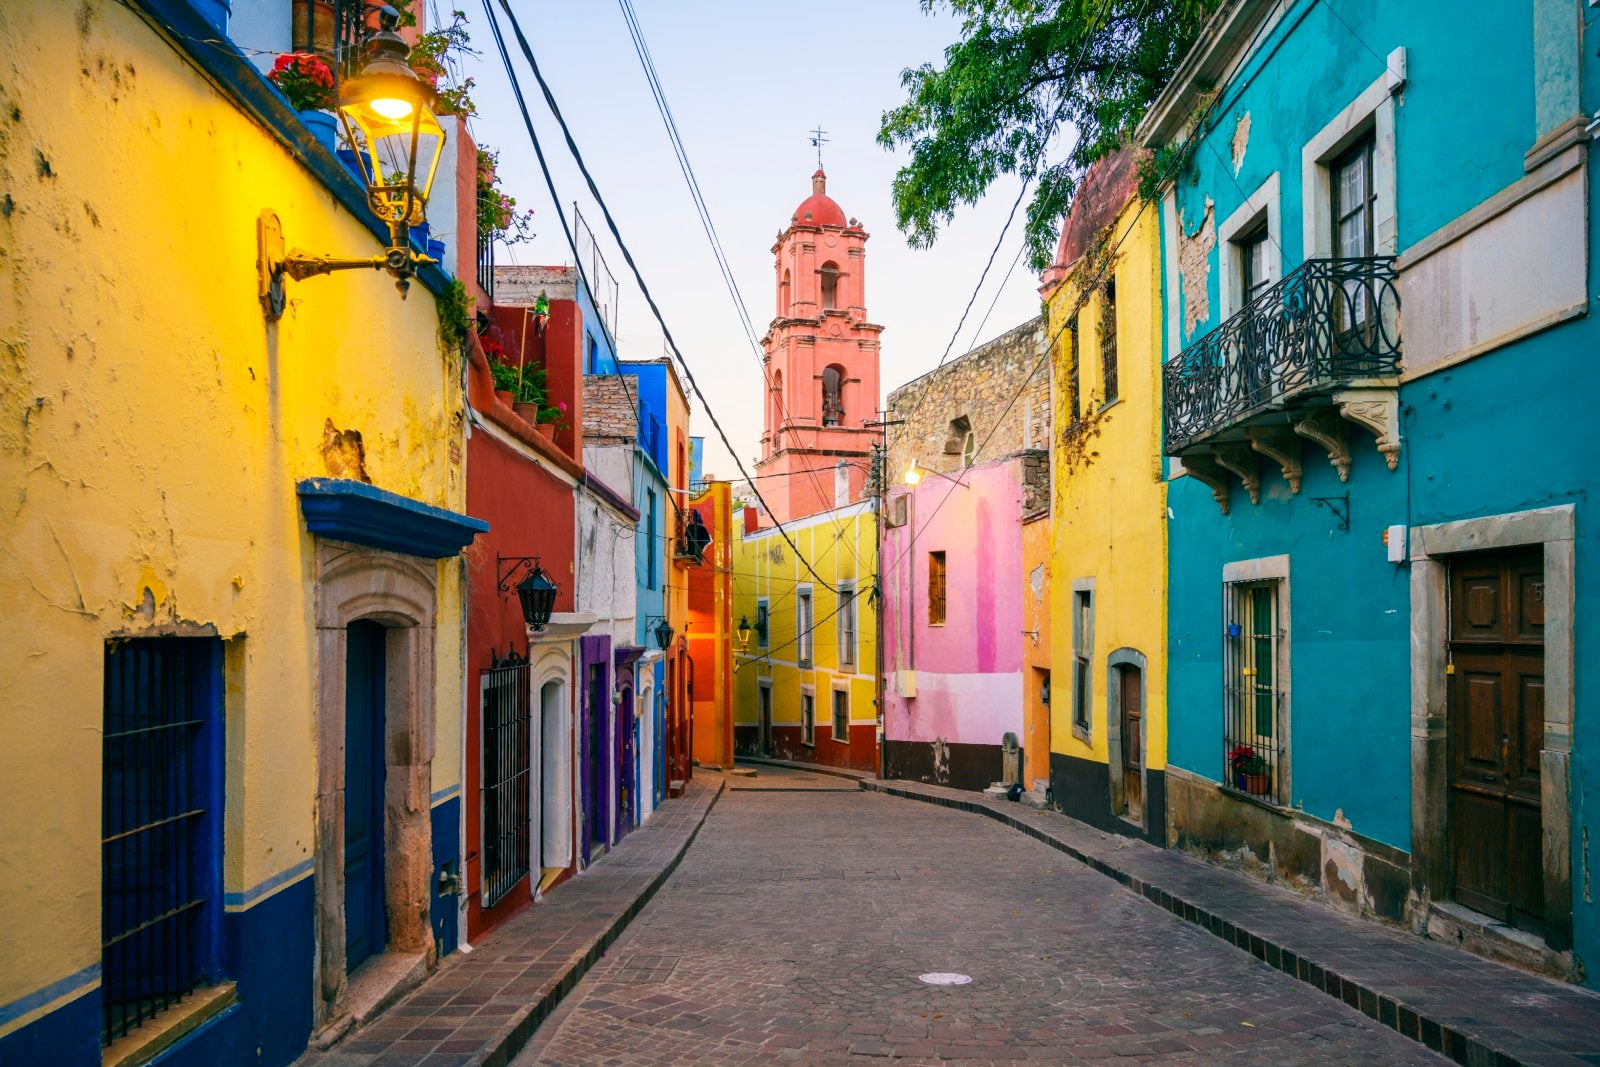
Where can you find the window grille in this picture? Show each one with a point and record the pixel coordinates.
(847, 626)
(936, 584)
(841, 715)
(1108, 342)
(507, 752)
(160, 836)
(808, 719)
(802, 616)
(762, 640)
(1082, 637)
(1252, 736)
(1073, 399)
(486, 263)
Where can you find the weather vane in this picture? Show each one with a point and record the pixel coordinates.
(818, 139)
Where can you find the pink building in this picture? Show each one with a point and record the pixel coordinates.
(957, 652)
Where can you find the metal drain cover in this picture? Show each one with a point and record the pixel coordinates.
(945, 978)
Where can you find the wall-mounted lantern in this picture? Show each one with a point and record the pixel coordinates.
(741, 640)
(537, 591)
(912, 475)
(390, 120)
(663, 631)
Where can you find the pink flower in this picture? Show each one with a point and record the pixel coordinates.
(562, 405)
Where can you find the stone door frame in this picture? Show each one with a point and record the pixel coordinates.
(401, 592)
(1127, 657)
(1431, 549)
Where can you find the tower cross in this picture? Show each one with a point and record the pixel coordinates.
(818, 139)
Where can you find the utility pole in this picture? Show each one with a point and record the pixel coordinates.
(880, 477)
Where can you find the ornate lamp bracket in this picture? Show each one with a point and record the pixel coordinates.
(1205, 469)
(1379, 411)
(508, 575)
(1325, 428)
(1339, 505)
(1242, 461)
(1279, 444)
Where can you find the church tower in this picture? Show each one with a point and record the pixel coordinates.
(821, 355)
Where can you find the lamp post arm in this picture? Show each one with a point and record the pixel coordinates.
(300, 266)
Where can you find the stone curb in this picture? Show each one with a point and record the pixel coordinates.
(792, 765)
(1450, 1041)
(506, 1045)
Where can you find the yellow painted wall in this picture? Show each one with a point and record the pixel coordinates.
(1109, 520)
(154, 428)
(842, 546)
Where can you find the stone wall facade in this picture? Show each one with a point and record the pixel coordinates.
(520, 286)
(978, 388)
(610, 407)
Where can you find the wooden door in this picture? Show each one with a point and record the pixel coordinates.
(596, 803)
(764, 727)
(1496, 733)
(365, 919)
(1131, 687)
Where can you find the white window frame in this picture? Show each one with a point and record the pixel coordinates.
(848, 626)
(835, 691)
(1263, 205)
(1236, 576)
(1082, 712)
(804, 623)
(808, 716)
(1372, 111)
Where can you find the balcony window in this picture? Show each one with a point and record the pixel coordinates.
(1353, 205)
(1255, 270)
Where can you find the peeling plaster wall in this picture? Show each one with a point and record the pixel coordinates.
(153, 429)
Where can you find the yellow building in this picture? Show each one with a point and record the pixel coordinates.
(805, 682)
(1107, 568)
(232, 637)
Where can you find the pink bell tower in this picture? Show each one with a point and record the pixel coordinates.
(821, 354)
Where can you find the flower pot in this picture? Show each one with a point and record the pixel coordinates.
(419, 235)
(351, 162)
(529, 412)
(436, 249)
(323, 126)
(507, 397)
(1257, 785)
(547, 430)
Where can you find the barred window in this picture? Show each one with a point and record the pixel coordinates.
(802, 622)
(1252, 740)
(808, 719)
(847, 625)
(161, 826)
(506, 735)
(1073, 390)
(1108, 342)
(841, 715)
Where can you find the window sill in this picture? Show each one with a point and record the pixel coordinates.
(1265, 802)
(845, 740)
(171, 1026)
(1108, 405)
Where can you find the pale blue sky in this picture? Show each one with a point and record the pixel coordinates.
(746, 81)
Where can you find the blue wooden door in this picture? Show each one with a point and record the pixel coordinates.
(366, 924)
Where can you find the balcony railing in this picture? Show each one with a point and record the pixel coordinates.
(1326, 324)
(486, 264)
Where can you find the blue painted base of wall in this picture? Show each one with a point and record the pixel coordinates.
(67, 1037)
(447, 858)
(269, 951)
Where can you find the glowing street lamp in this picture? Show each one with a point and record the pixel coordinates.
(390, 119)
(912, 475)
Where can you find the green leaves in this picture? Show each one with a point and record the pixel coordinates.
(1036, 88)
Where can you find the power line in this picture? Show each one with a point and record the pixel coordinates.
(686, 168)
(611, 224)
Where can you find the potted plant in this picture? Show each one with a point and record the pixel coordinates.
(1251, 772)
(308, 84)
(498, 217)
(525, 390)
(552, 420)
(430, 59)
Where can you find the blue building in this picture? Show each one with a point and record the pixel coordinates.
(1376, 277)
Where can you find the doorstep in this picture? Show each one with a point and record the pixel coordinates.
(1470, 1009)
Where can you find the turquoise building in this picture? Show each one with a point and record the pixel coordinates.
(1376, 229)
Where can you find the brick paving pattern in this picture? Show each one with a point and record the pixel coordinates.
(481, 1007)
(1473, 1010)
(798, 923)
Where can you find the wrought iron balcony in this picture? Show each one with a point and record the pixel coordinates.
(1329, 324)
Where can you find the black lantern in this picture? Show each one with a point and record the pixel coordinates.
(692, 545)
(537, 593)
(742, 640)
(664, 634)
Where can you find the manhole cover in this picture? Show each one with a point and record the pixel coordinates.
(945, 978)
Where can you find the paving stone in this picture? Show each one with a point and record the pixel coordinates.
(1067, 965)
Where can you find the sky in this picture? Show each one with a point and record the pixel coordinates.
(746, 80)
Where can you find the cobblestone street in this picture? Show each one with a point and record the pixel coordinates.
(800, 920)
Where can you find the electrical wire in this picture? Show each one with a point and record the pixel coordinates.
(611, 224)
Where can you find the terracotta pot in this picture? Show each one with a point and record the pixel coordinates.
(529, 412)
(507, 397)
(547, 430)
(1258, 785)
